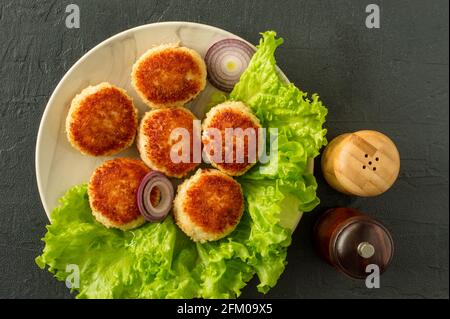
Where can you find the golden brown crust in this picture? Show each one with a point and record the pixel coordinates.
(169, 76)
(231, 115)
(214, 203)
(155, 144)
(113, 190)
(209, 205)
(102, 121)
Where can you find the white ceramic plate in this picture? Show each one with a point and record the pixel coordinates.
(58, 165)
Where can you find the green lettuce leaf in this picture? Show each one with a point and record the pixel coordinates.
(157, 260)
(277, 192)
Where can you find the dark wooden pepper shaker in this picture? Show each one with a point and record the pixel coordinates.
(350, 241)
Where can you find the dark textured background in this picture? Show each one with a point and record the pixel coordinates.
(394, 79)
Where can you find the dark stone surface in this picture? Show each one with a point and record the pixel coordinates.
(394, 79)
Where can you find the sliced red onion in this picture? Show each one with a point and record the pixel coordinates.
(146, 208)
(226, 60)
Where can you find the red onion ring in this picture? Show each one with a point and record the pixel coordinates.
(216, 57)
(148, 183)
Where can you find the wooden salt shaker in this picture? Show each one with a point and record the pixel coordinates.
(364, 163)
(350, 241)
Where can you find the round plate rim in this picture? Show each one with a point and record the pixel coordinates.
(105, 42)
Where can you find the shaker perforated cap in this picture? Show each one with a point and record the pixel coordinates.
(364, 163)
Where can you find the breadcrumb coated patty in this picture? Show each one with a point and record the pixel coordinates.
(113, 190)
(231, 115)
(169, 75)
(209, 205)
(102, 121)
(155, 143)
